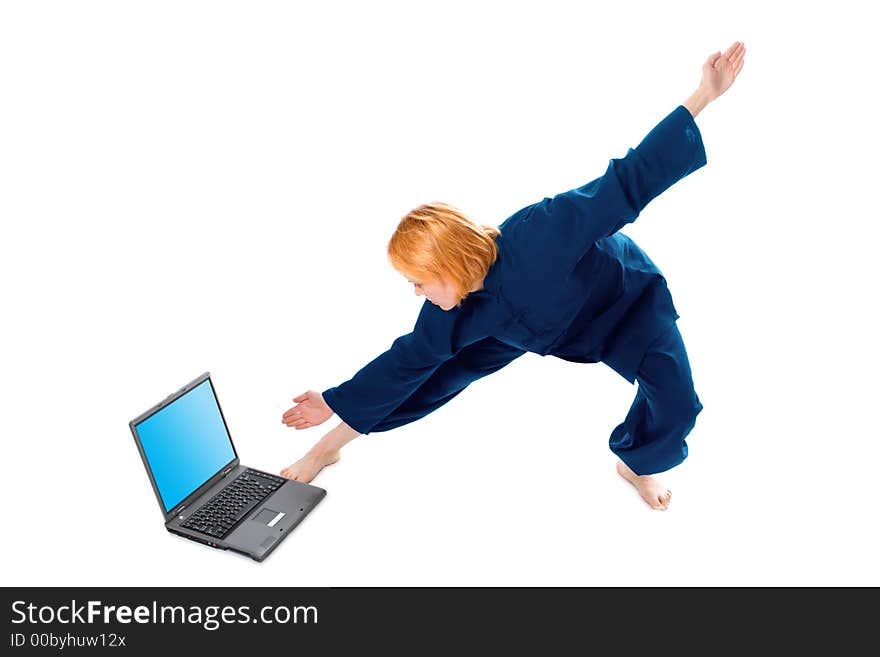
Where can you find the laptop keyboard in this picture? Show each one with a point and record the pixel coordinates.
(227, 508)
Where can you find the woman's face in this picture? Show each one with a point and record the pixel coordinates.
(440, 293)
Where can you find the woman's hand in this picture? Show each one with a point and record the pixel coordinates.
(310, 411)
(720, 70)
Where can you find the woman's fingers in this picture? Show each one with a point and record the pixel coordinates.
(734, 59)
(732, 50)
(304, 413)
(736, 56)
(296, 416)
(293, 415)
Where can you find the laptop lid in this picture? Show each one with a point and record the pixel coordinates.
(185, 444)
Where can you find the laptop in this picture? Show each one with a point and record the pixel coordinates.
(205, 494)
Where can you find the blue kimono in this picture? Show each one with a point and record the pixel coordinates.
(566, 283)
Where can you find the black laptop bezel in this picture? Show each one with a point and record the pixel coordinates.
(222, 472)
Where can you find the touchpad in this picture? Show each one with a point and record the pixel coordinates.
(269, 517)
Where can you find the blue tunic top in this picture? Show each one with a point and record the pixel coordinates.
(565, 284)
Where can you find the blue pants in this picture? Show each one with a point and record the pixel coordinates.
(652, 437)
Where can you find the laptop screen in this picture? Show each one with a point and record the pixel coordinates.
(185, 443)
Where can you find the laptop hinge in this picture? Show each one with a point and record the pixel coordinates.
(177, 512)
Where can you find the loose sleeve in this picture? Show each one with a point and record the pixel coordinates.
(470, 364)
(384, 383)
(565, 226)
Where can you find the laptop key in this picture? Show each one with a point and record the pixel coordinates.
(223, 513)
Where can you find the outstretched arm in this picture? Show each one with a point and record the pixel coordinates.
(561, 229)
(388, 380)
(471, 363)
(566, 226)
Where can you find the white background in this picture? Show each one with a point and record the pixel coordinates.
(192, 186)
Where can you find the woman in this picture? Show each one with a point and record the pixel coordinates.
(555, 278)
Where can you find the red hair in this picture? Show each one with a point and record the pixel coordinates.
(436, 240)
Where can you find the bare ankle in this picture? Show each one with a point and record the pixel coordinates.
(323, 452)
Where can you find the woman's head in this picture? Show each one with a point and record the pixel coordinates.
(442, 252)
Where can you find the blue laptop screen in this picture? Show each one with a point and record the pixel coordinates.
(185, 443)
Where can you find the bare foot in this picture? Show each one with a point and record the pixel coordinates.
(651, 490)
(309, 466)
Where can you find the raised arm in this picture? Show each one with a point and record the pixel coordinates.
(558, 231)
(563, 228)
